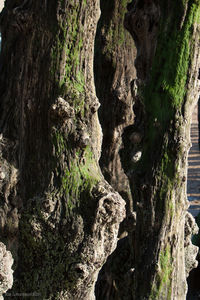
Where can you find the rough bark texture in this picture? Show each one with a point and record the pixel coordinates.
(59, 217)
(6, 272)
(115, 75)
(166, 83)
(154, 147)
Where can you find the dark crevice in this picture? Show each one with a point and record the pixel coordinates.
(114, 277)
(193, 283)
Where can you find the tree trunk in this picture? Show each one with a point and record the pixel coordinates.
(59, 217)
(154, 147)
(167, 67)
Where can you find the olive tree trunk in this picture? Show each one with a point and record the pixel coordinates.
(157, 254)
(59, 217)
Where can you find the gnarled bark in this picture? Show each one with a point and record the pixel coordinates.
(6, 272)
(59, 217)
(155, 146)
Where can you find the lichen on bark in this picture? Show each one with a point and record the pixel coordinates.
(60, 218)
(67, 214)
(165, 77)
(155, 145)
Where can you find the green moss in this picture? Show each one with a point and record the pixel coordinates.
(162, 287)
(79, 178)
(59, 143)
(167, 165)
(47, 256)
(167, 87)
(171, 209)
(66, 57)
(80, 174)
(164, 96)
(76, 178)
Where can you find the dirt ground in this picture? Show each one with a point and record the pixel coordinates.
(193, 183)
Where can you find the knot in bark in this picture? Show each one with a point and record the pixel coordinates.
(191, 251)
(84, 139)
(78, 272)
(61, 110)
(6, 272)
(94, 106)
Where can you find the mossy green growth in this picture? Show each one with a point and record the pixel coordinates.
(67, 70)
(79, 179)
(80, 174)
(163, 197)
(44, 240)
(164, 94)
(161, 289)
(167, 87)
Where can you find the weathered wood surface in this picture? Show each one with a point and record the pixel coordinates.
(59, 216)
